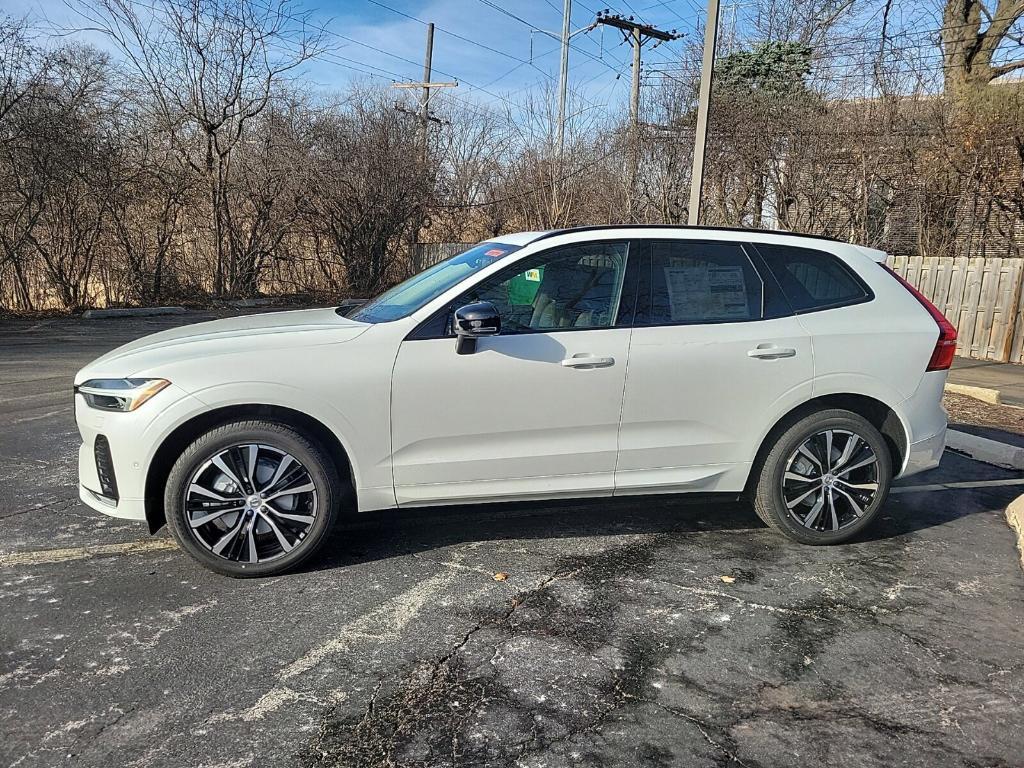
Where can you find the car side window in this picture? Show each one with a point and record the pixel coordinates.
(692, 282)
(812, 279)
(571, 287)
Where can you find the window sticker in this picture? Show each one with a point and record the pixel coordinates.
(533, 275)
(495, 253)
(707, 292)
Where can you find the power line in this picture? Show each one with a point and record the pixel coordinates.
(457, 36)
(523, 21)
(520, 61)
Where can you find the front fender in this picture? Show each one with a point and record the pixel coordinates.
(292, 398)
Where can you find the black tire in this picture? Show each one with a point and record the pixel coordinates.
(769, 499)
(270, 435)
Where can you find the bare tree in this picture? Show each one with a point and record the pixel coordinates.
(210, 67)
(55, 173)
(21, 70)
(365, 193)
(972, 34)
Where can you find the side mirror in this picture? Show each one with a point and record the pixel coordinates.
(473, 321)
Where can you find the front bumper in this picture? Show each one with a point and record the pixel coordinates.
(132, 439)
(129, 509)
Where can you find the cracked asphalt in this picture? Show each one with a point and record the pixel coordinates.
(642, 632)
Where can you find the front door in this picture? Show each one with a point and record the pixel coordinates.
(534, 411)
(716, 358)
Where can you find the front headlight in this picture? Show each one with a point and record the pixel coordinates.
(119, 394)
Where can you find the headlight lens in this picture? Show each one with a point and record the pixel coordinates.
(119, 394)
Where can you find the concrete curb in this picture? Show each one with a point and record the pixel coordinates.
(986, 395)
(1015, 517)
(988, 451)
(103, 314)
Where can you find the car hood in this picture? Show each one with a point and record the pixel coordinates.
(263, 332)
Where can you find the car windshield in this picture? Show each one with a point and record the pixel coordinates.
(405, 298)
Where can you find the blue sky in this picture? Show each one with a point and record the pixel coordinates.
(386, 43)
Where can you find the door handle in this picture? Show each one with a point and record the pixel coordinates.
(588, 361)
(771, 352)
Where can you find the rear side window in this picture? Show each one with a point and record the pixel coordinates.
(811, 279)
(692, 282)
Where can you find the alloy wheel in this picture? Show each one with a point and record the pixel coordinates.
(830, 480)
(251, 503)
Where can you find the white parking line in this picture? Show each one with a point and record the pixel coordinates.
(46, 415)
(385, 622)
(966, 484)
(45, 556)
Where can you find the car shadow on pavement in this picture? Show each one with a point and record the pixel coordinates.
(393, 533)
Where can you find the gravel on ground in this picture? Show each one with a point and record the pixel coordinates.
(1004, 423)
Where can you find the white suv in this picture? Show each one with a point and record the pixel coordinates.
(587, 362)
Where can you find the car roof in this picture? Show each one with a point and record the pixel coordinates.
(684, 228)
(525, 238)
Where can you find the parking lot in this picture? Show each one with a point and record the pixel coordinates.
(645, 631)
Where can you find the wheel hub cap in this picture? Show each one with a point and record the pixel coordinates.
(251, 503)
(830, 480)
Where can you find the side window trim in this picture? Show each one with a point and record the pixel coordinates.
(647, 281)
(766, 273)
(426, 329)
(633, 276)
(869, 295)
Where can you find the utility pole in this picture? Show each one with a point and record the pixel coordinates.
(425, 118)
(423, 113)
(707, 71)
(634, 93)
(563, 73)
(636, 34)
(425, 109)
(563, 70)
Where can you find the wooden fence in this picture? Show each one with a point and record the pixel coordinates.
(980, 296)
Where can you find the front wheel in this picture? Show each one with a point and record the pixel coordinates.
(825, 478)
(252, 498)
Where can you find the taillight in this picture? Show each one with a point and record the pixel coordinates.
(945, 347)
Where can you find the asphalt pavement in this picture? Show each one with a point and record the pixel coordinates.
(642, 632)
(1007, 378)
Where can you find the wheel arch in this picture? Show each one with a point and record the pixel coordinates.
(881, 416)
(181, 436)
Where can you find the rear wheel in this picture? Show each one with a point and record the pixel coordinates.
(825, 478)
(252, 498)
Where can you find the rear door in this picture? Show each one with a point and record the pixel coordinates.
(861, 345)
(716, 357)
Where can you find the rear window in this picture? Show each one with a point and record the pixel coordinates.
(811, 279)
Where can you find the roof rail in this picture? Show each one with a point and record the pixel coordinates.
(751, 230)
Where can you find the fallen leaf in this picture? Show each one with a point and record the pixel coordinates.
(728, 579)
(500, 576)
